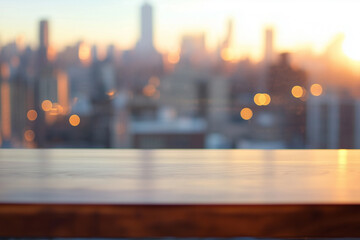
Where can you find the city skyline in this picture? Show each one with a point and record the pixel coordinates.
(117, 22)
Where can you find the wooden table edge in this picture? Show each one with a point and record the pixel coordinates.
(179, 220)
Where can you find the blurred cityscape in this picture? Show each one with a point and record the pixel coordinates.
(192, 98)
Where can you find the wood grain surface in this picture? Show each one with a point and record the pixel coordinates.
(183, 193)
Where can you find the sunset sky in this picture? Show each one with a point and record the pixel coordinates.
(298, 23)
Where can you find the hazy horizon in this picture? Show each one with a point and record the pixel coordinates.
(297, 25)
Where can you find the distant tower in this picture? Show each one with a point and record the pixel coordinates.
(44, 34)
(43, 42)
(267, 61)
(229, 34)
(146, 28)
(269, 52)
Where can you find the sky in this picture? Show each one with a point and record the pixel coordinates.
(298, 24)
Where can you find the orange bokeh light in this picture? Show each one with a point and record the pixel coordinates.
(46, 105)
(246, 113)
(31, 115)
(316, 89)
(297, 91)
(74, 120)
(29, 135)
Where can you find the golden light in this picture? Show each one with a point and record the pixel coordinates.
(31, 115)
(259, 99)
(84, 53)
(227, 54)
(51, 53)
(351, 46)
(246, 113)
(29, 135)
(74, 120)
(154, 81)
(316, 89)
(297, 91)
(262, 99)
(46, 105)
(56, 109)
(173, 58)
(111, 93)
(149, 90)
(268, 99)
(63, 90)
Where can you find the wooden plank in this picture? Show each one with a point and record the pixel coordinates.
(283, 221)
(183, 193)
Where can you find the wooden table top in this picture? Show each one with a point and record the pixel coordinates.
(185, 193)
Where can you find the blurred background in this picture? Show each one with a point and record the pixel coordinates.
(179, 74)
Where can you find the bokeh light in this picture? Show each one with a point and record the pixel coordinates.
(297, 91)
(31, 115)
(46, 105)
(29, 135)
(74, 120)
(246, 113)
(262, 99)
(316, 89)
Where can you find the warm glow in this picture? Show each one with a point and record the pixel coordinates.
(246, 113)
(227, 54)
(173, 58)
(154, 81)
(297, 91)
(31, 115)
(84, 53)
(5, 110)
(262, 99)
(351, 46)
(5, 71)
(29, 135)
(56, 109)
(111, 93)
(149, 90)
(63, 90)
(342, 157)
(316, 89)
(46, 105)
(51, 53)
(74, 120)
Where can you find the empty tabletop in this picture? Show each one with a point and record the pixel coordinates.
(184, 193)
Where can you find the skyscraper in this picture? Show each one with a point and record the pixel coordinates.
(44, 34)
(229, 34)
(268, 58)
(43, 43)
(146, 28)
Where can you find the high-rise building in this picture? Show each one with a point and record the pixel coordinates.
(43, 43)
(269, 51)
(146, 28)
(44, 34)
(332, 121)
(229, 34)
(268, 60)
